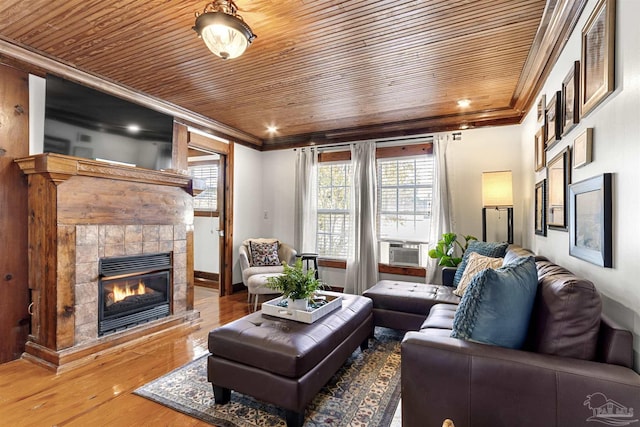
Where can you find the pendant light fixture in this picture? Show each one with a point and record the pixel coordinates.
(224, 31)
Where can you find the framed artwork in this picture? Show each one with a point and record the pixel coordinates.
(540, 151)
(540, 199)
(570, 91)
(542, 105)
(582, 147)
(590, 232)
(558, 179)
(598, 49)
(554, 119)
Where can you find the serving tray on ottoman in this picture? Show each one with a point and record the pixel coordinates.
(274, 307)
(284, 362)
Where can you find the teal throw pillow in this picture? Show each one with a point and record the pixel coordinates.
(492, 249)
(496, 307)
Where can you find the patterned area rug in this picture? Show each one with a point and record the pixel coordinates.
(364, 392)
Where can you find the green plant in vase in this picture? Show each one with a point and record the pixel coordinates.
(446, 248)
(296, 284)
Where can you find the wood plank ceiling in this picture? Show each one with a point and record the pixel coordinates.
(320, 71)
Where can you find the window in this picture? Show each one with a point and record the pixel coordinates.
(404, 198)
(207, 200)
(334, 199)
(405, 181)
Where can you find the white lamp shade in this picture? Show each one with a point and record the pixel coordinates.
(497, 189)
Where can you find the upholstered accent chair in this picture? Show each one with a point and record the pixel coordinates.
(258, 262)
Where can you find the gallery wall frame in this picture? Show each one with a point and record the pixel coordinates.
(540, 202)
(597, 76)
(583, 148)
(570, 98)
(541, 109)
(590, 213)
(539, 147)
(558, 180)
(554, 119)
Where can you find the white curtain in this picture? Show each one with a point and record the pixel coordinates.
(362, 259)
(306, 200)
(440, 205)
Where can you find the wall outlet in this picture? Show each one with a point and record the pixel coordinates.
(266, 215)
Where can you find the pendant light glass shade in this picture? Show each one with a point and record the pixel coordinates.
(226, 35)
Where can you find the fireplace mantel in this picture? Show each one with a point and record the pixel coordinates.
(80, 211)
(60, 167)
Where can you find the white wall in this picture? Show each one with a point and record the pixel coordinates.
(278, 194)
(616, 149)
(247, 200)
(484, 150)
(37, 92)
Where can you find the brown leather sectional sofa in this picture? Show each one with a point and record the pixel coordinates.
(575, 369)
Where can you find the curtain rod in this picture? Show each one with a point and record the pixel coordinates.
(390, 141)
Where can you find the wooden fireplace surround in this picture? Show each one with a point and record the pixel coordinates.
(66, 194)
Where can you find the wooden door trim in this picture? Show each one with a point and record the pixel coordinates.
(226, 151)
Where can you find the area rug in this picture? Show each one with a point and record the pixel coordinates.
(364, 392)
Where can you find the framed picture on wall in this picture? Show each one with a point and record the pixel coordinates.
(540, 201)
(582, 147)
(541, 110)
(570, 91)
(597, 56)
(558, 179)
(540, 149)
(554, 119)
(590, 216)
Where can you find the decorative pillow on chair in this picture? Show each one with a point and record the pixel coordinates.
(496, 307)
(492, 249)
(475, 265)
(247, 243)
(263, 254)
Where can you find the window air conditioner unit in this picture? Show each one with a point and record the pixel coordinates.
(404, 254)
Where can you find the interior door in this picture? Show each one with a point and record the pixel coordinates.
(208, 202)
(14, 143)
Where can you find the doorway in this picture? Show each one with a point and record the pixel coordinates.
(210, 163)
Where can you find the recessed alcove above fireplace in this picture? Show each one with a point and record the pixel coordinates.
(83, 212)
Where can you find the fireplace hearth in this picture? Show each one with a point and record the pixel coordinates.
(133, 290)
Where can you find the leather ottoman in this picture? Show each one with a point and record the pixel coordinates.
(405, 305)
(282, 361)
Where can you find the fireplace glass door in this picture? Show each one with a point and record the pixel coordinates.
(128, 298)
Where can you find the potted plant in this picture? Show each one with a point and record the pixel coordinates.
(296, 285)
(445, 250)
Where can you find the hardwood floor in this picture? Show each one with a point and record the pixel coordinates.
(100, 393)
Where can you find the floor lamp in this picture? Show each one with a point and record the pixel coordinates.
(497, 192)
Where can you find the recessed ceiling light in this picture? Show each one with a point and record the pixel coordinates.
(464, 103)
(133, 128)
(272, 129)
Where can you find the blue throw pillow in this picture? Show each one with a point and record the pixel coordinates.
(492, 249)
(496, 307)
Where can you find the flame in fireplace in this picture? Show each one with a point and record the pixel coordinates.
(120, 292)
